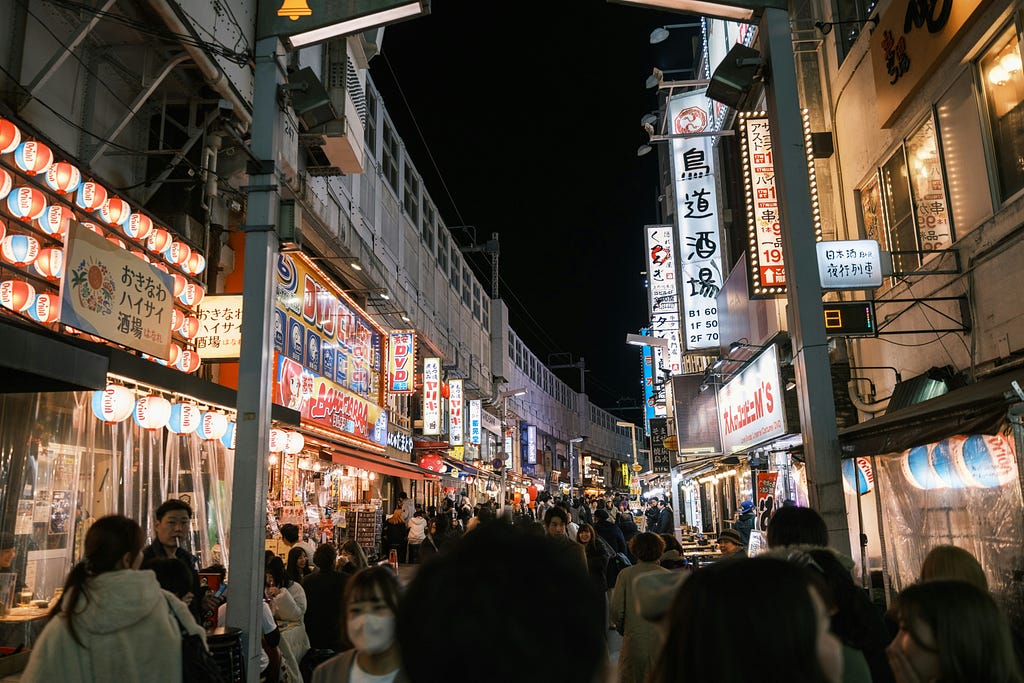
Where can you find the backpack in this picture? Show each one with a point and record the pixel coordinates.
(616, 564)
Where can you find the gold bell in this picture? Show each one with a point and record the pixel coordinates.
(293, 9)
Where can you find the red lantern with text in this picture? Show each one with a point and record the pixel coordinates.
(63, 177)
(16, 295)
(189, 327)
(192, 294)
(177, 318)
(433, 462)
(10, 137)
(115, 212)
(196, 263)
(45, 309)
(177, 253)
(90, 196)
(188, 361)
(158, 240)
(19, 250)
(50, 263)
(6, 183)
(26, 203)
(179, 285)
(33, 157)
(138, 227)
(55, 219)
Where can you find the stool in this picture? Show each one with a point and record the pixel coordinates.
(225, 643)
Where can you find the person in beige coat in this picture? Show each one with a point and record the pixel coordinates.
(640, 638)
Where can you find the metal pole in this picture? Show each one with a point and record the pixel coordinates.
(504, 442)
(249, 499)
(806, 317)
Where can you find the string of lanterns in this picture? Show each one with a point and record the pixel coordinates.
(29, 205)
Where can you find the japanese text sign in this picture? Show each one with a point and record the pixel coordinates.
(111, 293)
(431, 395)
(767, 268)
(220, 326)
(474, 421)
(661, 457)
(663, 294)
(401, 359)
(455, 417)
(699, 244)
(765, 504)
(750, 406)
(849, 264)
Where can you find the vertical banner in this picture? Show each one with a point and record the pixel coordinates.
(431, 396)
(474, 421)
(401, 357)
(767, 267)
(531, 444)
(765, 499)
(661, 457)
(697, 217)
(654, 401)
(455, 417)
(663, 296)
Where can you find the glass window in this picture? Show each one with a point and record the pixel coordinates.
(455, 267)
(871, 216)
(899, 213)
(428, 227)
(370, 130)
(852, 11)
(963, 155)
(467, 289)
(411, 199)
(928, 188)
(442, 248)
(1003, 81)
(485, 312)
(389, 160)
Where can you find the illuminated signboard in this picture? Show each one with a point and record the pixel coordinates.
(663, 294)
(455, 417)
(401, 357)
(750, 408)
(850, 319)
(849, 264)
(474, 421)
(431, 396)
(220, 326)
(767, 267)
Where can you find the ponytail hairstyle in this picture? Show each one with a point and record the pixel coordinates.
(108, 540)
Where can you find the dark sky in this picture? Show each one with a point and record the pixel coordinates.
(524, 119)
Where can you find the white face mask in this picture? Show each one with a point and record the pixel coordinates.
(372, 633)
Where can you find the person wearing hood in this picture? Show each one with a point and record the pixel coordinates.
(417, 534)
(113, 623)
(744, 523)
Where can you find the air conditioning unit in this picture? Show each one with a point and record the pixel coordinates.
(343, 137)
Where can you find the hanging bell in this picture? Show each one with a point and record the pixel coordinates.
(293, 9)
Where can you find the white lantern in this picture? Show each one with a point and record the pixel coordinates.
(113, 404)
(185, 418)
(294, 443)
(278, 440)
(212, 426)
(152, 412)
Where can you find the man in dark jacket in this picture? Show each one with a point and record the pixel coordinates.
(324, 591)
(744, 523)
(652, 514)
(609, 532)
(172, 526)
(666, 525)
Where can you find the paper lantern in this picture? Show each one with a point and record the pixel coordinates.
(113, 404)
(189, 327)
(141, 254)
(172, 355)
(114, 239)
(33, 157)
(6, 182)
(188, 361)
(986, 461)
(294, 443)
(19, 250)
(445, 390)
(10, 137)
(63, 177)
(942, 462)
(858, 475)
(196, 263)
(278, 440)
(158, 240)
(50, 263)
(179, 286)
(433, 462)
(212, 426)
(95, 228)
(55, 219)
(177, 318)
(185, 418)
(228, 439)
(159, 266)
(90, 196)
(192, 294)
(138, 226)
(177, 253)
(26, 203)
(16, 295)
(115, 212)
(45, 309)
(917, 469)
(152, 412)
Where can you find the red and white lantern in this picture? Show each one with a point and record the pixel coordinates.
(6, 183)
(212, 426)
(26, 203)
(114, 239)
(294, 443)
(63, 177)
(50, 263)
(138, 226)
(45, 309)
(189, 327)
(185, 418)
(177, 253)
(115, 212)
(177, 318)
(10, 137)
(17, 295)
(179, 285)
(158, 240)
(55, 220)
(278, 440)
(90, 196)
(192, 294)
(188, 361)
(33, 157)
(113, 404)
(196, 263)
(141, 254)
(152, 412)
(19, 250)
(161, 267)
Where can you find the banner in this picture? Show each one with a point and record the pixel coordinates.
(765, 505)
(401, 359)
(455, 417)
(663, 296)
(750, 405)
(111, 293)
(661, 457)
(474, 421)
(431, 396)
(764, 226)
(220, 326)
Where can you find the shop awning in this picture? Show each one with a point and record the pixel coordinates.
(978, 408)
(38, 360)
(393, 468)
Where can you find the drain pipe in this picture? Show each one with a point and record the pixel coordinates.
(872, 408)
(210, 70)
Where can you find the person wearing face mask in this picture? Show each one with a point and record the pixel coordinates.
(371, 605)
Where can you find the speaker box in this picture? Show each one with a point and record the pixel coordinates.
(734, 77)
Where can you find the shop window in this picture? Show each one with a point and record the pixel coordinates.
(963, 154)
(872, 220)
(929, 189)
(411, 197)
(1003, 81)
(899, 213)
(389, 158)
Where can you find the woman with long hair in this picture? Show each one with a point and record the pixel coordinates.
(351, 558)
(371, 605)
(287, 598)
(951, 631)
(598, 554)
(113, 623)
(714, 635)
(298, 565)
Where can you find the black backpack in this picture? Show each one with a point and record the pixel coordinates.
(616, 564)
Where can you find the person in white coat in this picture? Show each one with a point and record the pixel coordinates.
(113, 623)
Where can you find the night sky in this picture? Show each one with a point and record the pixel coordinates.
(525, 121)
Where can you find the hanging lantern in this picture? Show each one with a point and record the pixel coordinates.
(185, 418)
(445, 391)
(196, 263)
(6, 182)
(115, 212)
(189, 327)
(152, 412)
(177, 318)
(212, 426)
(55, 219)
(228, 439)
(63, 177)
(278, 440)
(113, 404)
(138, 226)
(50, 263)
(177, 253)
(158, 240)
(33, 157)
(159, 266)
(188, 361)
(433, 462)
(114, 239)
(19, 250)
(173, 352)
(141, 254)
(16, 295)
(90, 196)
(95, 228)
(45, 309)
(294, 443)
(26, 203)
(179, 286)
(10, 137)
(192, 294)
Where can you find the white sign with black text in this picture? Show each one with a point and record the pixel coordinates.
(849, 264)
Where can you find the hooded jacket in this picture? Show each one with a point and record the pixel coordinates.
(127, 631)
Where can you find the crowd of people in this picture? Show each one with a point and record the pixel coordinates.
(474, 608)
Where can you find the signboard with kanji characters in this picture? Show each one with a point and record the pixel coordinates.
(220, 326)
(663, 295)
(767, 267)
(455, 417)
(111, 293)
(431, 396)
(849, 264)
(401, 358)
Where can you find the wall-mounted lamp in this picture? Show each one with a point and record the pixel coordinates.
(660, 34)
(351, 261)
(826, 26)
